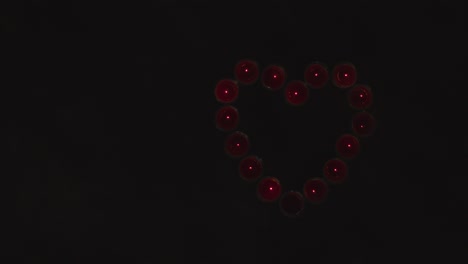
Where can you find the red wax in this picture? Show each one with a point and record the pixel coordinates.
(227, 118)
(347, 146)
(296, 93)
(292, 204)
(316, 75)
(363, 124)
(269, 189)
(315, 190)
(360, 97)
(250, 168)
(237, 144)
(246, 71)
(226, 91)
(335, 171)
(273, 77)
(344, 75)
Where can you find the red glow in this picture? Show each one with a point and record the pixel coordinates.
(335, 171)
(296, 93)
(226, 91)
(363, 124)
(237, 144)
(315, 190)
(316, 75)
(344, 75)
(347, 146)
(273, 77)
(269, 189)
(227, 118)
(246, 71)
(360, 97)
(250, 168)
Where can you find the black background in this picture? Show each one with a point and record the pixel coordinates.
(113, 153)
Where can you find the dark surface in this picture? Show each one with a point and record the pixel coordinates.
(115, 154)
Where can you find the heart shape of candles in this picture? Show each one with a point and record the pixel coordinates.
(296, 92)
